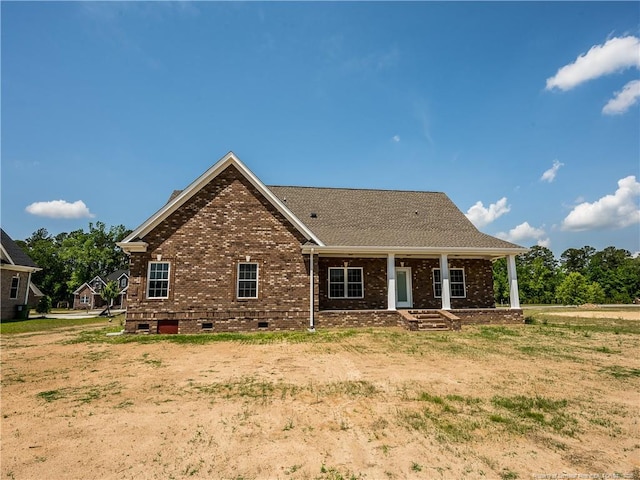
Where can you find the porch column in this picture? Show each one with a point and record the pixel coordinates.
(444, 279)
(312, 320)
(514, 296)
(391, 281)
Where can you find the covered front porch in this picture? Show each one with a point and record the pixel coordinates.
(354, 288)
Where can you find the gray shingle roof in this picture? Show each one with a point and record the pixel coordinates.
(15, 252)
(385, 218)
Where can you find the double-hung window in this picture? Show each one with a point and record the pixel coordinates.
(247, 280)
(346, 282)
(15, 283)
(158, 280)
(84, 299)
(456, 283)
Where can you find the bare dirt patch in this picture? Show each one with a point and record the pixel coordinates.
(623, 315)
(487, 402)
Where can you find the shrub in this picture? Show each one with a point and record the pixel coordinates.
(44, 305)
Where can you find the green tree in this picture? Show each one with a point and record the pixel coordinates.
(576, 259)
(70, 259)
(500, 281)
(109, 292)
(573, 290)
(537, 275)
(595, 293)
(616, 272)
(44, 305)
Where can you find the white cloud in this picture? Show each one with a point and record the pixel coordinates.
(481, 216)
(524, 231)
(550, 175)
(60, 209)
(624, 99)
(396, 138)
(614, 55)
(611, 211)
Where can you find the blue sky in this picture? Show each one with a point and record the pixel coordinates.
(525, 114)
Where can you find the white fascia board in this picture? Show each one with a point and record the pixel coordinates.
(379, 250)
(81, 287)
(19, 268)
(133, 247)
(6, 255)
(229, 159)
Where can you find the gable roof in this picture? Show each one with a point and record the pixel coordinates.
(134, 242)
(13, 255)
(115, 276)
(385, 218)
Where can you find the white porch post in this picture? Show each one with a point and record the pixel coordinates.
(391, 281)
(514, 296)
(444, 278)
(312, 322)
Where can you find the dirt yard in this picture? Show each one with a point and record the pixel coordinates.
(486, 402)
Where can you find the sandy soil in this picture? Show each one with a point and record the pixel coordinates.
(348, 409)
(623, 315)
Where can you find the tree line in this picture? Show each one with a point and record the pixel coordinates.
(580, 275)
(70, 259)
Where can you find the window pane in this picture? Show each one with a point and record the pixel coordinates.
(247, 280)
(354, 275)
(355, 290)
(457, 290)
(248, 271)
(336, 290)
(436, 275)
(456, 275)
(336, 275)
(15, 281)
(158, 280)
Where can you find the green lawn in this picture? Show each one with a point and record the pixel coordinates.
(9, 327)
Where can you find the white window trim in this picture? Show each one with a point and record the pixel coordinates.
(84, 299)
(464, 283)
(346, 282)
(257, 280)
(17, 288)
(149, 280)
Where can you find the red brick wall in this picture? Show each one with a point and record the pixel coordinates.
(204, 240)
(9, 305)
(478, 281)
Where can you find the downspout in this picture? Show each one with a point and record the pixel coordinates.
(312, 323)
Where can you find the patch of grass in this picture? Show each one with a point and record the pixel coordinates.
(416, 467)
(456, 429)
(350, 388)
(52, 395)
(11, 327)
(527, 412)
(618, 371)
(81, 394)
(497, 332)
(151, 361)
(253, 338)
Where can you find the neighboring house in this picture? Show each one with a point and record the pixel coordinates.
(229, 253)
(88, 295)
(35, 295)
(16, 267)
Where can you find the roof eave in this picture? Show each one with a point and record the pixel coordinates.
(495, 252)
(20, 268)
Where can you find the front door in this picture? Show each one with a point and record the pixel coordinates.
(403, 287)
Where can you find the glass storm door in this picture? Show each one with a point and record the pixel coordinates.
(403, 287)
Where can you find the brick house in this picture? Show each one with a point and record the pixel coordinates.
(16, 268)
(87, 296)
(229, 253)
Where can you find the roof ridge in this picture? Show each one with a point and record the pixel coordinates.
(357, 189)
